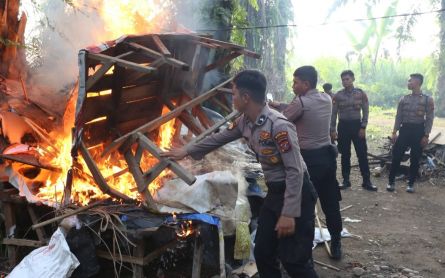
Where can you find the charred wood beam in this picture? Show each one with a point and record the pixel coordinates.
(228, 45)
(97, 175)
(173, 165)
(152, 125)
(92, 80)
(153, 173)
(154, 54)
(224, 60)
(161, 46)
(121, 62)
(209, 131)
(186, 118)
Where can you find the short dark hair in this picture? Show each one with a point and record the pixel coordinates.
(253, 83)
(417, 76)
(307, 73)
(347, 72)
(327, 86)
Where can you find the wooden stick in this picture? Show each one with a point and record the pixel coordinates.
(435, 137)
(24, 88)
(327, 265)
(228, 45)
(152, 125)
(328, 249)
(63, 216)
(224, 60)
(173, 165)
(97, 175)
(197, 257)
(209, 131)
(154, 54)
(161, 46)
(345, 208)
(121, 62)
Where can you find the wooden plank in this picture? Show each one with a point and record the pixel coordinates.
(102, 71)
(10, 221)
(173, 165)
(198, 251)
(138, 252)
(165, 118)
(22, 242)
(41, 235)
(154, 172)
(154, 54)
(120, 62)
(120, 257)
(220, 104)
(228, 45)
(224, 60)
(226, 90)
(187, 119)
(161, 46)
(159, 251)
(202, 117)
(97, 175)
(209, 131)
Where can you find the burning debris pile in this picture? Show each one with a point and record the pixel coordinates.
(135, 97)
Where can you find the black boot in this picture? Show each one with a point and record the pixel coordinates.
(346, 183)
(336, 247)
(367, 184)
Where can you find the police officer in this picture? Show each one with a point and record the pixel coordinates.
(286, 222)
(311, 111)
(348, 103)
(327, 88)
(414, 120)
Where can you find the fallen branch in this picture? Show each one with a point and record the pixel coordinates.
(326, 245)
(345, 208)
(327, 265)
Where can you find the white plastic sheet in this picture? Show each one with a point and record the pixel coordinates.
(52, 261)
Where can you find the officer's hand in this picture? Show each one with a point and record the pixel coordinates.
(334, 136)
(175, 153)
(285, 226)
(273, 104)
(424, 141)
(362, 133)
(394, 138)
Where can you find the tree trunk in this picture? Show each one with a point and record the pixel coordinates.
(12, 29)
(440, 103)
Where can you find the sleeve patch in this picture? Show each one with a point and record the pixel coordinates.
(267, 151)
(282, 140)
(264, 135)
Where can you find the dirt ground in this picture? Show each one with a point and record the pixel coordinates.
(402, 234)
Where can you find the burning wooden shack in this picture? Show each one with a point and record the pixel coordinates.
(135, 96)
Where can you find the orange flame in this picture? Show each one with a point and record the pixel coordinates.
(126, 17)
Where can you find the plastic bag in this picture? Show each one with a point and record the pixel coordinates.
(52, 261)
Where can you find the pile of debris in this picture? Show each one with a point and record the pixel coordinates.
(432, 163)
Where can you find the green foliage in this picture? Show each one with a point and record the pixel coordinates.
(387, 84)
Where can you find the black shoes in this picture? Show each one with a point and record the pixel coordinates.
(336, 248)
(410, 188)
(390, 187)
(367, 184)
(346, 184)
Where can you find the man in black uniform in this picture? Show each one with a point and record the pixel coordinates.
(311, 112)
(349, 103)
(286, 222)
(414, 121)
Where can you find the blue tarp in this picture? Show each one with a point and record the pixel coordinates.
(203, 217)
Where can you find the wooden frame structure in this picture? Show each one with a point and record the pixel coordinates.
(123, 87)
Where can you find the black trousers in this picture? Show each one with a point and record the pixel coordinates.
(347, 133)
(410, 136)
(322, 167)
(294, 252)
